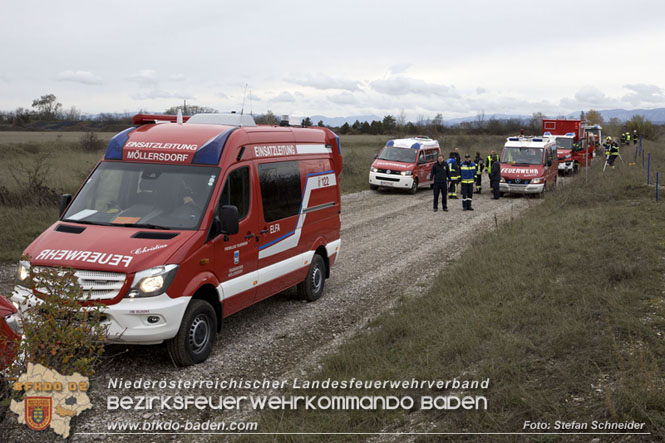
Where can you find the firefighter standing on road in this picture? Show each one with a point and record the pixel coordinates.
(480, 165)
(453, 169)
(468, 169)
(488, 167)
(635, 136)
(439, 175)
(495, 176)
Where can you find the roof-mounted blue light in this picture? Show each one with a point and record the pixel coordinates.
(416, 146)
(514, 139)
(537, 139)
(548, 133)
(390, 143)
(114, 148)
(211, 151)
(570, 134)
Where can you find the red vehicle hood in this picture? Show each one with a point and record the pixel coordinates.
(6, 307)
(509, 171)
(562, 153)
(105, 248)
(393, 166)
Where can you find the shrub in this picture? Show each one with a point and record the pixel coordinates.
(60, 333)
(89, 142)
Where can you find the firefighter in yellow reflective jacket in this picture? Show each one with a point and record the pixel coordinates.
(488, 167)
(453, 167)
(480, 166)
(627, 137)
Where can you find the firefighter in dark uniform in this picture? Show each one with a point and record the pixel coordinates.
(453, 170)
(468, 174)
(612, 154)
(635, 136)
(488, 167)
(495, 177)
(480, 166)
(439, 175)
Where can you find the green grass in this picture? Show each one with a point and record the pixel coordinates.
(561, 310)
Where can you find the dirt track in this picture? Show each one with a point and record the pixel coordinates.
(392, 246)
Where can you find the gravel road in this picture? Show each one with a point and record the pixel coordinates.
(392, 246)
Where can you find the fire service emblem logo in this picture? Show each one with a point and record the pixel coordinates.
(38, 412)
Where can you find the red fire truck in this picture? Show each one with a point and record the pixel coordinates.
(186, 221)
(574, 144)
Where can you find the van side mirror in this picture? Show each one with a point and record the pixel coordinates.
(228, 220)
(65, 200)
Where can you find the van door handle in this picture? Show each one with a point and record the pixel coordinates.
(263, 231)
(248, 236)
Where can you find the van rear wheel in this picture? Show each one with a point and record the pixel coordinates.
(196, 335)
(311, 288)
(373, 187)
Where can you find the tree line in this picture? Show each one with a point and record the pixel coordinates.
(47, 108)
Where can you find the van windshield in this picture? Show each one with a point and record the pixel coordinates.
(146, 195)
(404, 155)
(522, 156)
(564, 142)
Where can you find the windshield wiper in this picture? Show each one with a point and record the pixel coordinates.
(141, 225)
(84, 222)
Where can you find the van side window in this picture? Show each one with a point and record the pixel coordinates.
(236, 191)
(280, 189)
(421, 157)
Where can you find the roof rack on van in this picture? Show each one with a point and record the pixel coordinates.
(231, 119)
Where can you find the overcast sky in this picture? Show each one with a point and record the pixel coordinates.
(336, 58)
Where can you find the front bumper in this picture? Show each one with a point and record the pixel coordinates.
(128, 319)
(390, 180)
(521, 189)
(566, 166)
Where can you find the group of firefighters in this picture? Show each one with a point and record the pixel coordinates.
(612, 147)
(626, 137)
(447, 175)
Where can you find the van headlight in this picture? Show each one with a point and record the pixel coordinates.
(153, 281)
(537, 181)
(405, 173)
(23, 271)
(373, 169)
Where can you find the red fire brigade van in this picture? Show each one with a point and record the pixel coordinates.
(183, 224)
(528, 165)
(404, 164)
(575, 146)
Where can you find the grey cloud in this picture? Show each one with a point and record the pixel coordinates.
(588, 97)
(324, 81)
(85, 77)
(642, 93)
(405, 85)
(345, 98)
(221, 95)
(399, 68)
(480, 91)
(177, 77)
(159, 93)
(284, 97)
(145, 77)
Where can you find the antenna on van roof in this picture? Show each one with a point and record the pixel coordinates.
(244, 96)
(251, 110)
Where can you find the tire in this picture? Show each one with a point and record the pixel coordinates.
(414, 186)
(374, 187)
(196, 335)
(576, 168)
(311, 288)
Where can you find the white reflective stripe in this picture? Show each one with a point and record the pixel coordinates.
(245, 282)
(237, 285)
(284, 267)
(334, 247)
(313, 149)
(314, 182)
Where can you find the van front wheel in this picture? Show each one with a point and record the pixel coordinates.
(414, 186)
(196, 335)
(312, 288)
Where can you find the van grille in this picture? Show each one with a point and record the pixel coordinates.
(385, 171)
(100, 285)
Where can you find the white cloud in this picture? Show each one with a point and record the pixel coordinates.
(85, 77)
(642, 93)
(324, 82)
(145, 77)
(397, 86)
(177, 77)
(480, 91)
